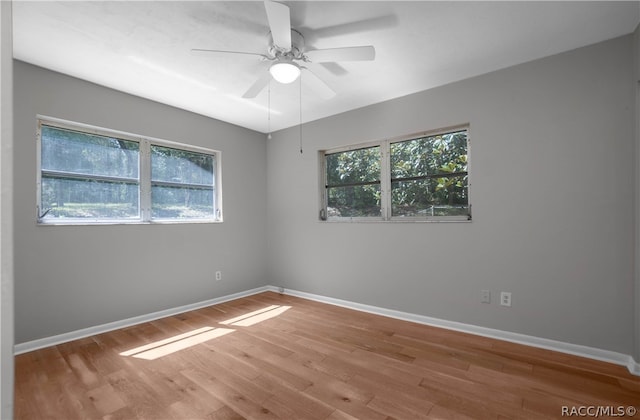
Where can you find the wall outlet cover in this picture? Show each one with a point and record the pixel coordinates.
(505, 299)
(485, 296)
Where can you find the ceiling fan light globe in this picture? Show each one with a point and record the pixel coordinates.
(285, 72)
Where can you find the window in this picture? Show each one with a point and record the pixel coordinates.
(182, 184)
(416, 178)
(353, 183)
(88, 176)
(92, 175)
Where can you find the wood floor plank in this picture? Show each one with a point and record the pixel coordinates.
(302, 405)
(391, 399)
(126, 413)
(341, 415)
(226, 413)
(105, 399)
(540, 403)
(346, 398)
(181, 410)
(396, 409)
(308, 361)
(81, 401)
(258, 360)
(292, 344)
(232, 397)
(137, 394)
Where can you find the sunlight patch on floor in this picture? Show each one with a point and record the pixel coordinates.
(179, 342)
(176, 343)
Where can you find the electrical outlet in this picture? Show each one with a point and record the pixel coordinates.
(505, 298)
(218, 275)
(485, 296)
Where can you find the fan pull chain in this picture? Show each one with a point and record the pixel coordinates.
(300, 90)
(269, 111)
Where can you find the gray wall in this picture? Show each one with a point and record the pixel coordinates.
(636, 87)
(6, 220)
(72, 277)
(552, 189)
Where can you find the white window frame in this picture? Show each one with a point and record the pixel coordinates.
(144, 179)
(385, 180)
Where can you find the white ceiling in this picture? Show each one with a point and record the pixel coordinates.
(143, 47)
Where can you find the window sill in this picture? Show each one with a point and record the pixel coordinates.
(398, 220)
(124, 222)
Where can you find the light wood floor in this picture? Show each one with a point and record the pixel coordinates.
(309, 361)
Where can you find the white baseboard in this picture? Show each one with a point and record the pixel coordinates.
(99, 329)
(574, 349)
(544, 343)
(633, 366)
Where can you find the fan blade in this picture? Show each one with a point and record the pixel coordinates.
(258, 85)
(317, 85)
(204, 51)
(279, 19)
(342, 54)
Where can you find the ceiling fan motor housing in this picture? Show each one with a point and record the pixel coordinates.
(295, 53)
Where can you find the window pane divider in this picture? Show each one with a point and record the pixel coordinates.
(439, 175)
(385, 175)
(182, 185)
(145, 180)
(82, 176)
(353, 184)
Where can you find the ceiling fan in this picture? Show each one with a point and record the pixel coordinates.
(286, 50)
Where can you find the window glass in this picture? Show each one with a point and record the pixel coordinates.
(181, 166)
(88, 176)
(429, 176)
(88, 199)
(353, 183)
(182, 183)
(354, 201)
(87, 154)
